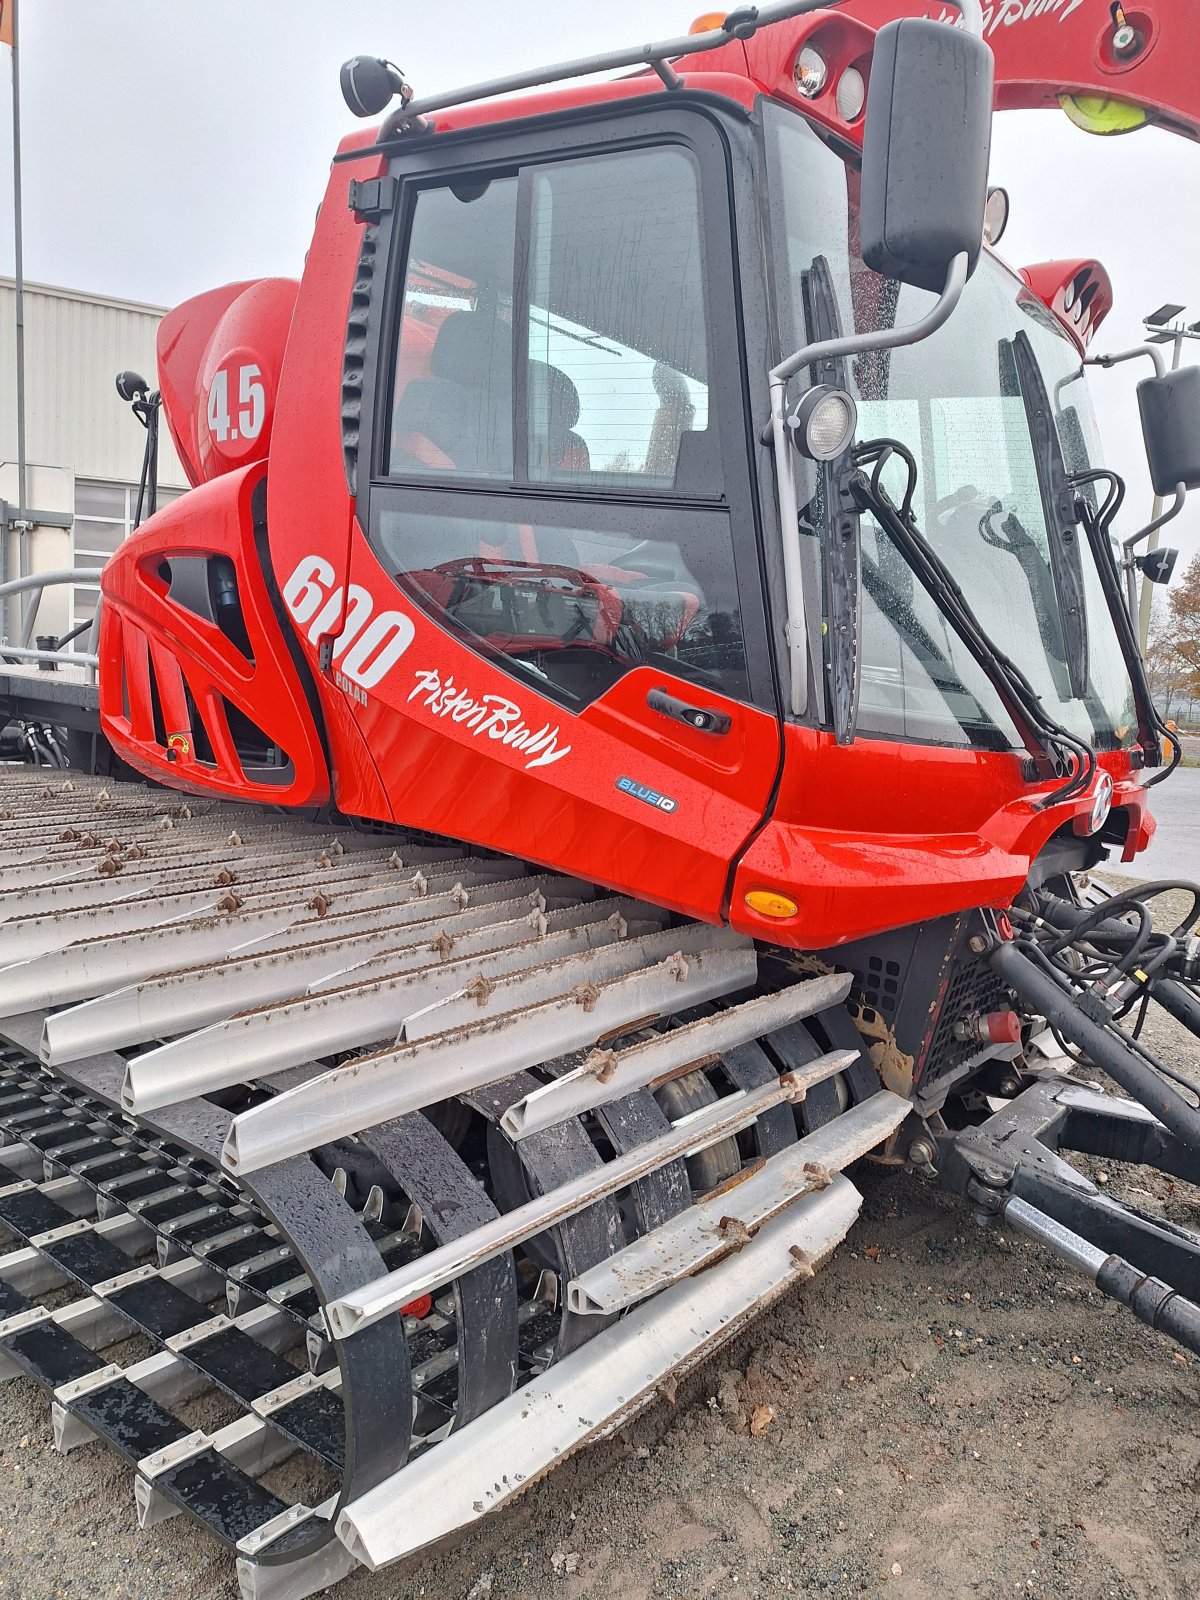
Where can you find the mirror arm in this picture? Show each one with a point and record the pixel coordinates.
(775, 432)
(1127, 559)
(1151, 350)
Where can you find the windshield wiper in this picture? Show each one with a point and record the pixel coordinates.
(1055, 750)
(1097, 523)
(1058, 508)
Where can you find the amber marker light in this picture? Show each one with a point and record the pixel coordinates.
(769, 903)
(708, 22)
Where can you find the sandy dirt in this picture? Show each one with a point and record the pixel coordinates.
(945, 1411)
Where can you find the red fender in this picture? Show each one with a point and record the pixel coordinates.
(176, 690)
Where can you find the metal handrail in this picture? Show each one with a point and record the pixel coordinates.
(740, 23)
(72, 658)
(35, 584)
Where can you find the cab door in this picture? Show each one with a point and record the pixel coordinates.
(555, 641)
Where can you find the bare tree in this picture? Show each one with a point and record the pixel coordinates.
(1173, 650)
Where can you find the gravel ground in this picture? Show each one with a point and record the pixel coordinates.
(943, 1412)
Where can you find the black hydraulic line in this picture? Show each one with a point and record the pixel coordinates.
(76, 632)
(1051, 998)
(1096, 526)
(1088, 924)
(1068, 980)
(1179, 1001)
(1096, 918)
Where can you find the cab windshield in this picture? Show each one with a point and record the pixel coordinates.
(955, 402)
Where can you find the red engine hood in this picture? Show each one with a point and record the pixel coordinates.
(219, 357)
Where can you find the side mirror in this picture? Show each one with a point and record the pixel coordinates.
(926, 144)
(1170, 408)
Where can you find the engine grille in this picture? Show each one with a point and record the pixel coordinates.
(973, 988)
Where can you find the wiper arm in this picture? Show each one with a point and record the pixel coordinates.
(1044, 738)
(1058, 508)
(1097, 524)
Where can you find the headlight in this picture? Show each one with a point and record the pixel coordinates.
(810, 72)
(822, 424)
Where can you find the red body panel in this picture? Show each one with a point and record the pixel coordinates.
(446, 726)
(424, 730)
(1078, 292)
(1047, 48)
(309, 507)
(234, 337)
(876, 835)
(153, 647)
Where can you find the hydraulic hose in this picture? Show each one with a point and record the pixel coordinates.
(1062, 1010)
(1179, 1001)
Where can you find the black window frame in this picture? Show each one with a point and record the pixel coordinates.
(703, 126)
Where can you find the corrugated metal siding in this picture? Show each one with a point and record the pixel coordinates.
(74, 348)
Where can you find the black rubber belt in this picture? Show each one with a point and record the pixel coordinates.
(452, 1203)
(631, 1121)
(333, 1247)
(233, 1360)
(536, 1165)
(796, 1047)
(748, 1066)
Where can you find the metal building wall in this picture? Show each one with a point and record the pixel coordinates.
(75, 344)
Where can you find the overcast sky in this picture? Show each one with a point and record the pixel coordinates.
(172, 145)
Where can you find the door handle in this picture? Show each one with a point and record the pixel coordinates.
(701, 718)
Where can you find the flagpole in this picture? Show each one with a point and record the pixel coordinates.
(19, 280)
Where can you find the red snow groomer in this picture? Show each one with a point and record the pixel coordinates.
(650, 593)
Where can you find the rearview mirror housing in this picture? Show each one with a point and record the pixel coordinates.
(1170, 408)
(926, 144)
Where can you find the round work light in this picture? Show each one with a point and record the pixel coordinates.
(822, 424)
(851, 95)
(810, 72)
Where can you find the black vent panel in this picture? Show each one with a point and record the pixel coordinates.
(974, 988)
(355, 354)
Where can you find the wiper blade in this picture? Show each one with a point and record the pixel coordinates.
(1044, 737)
(1097, 524)
(1058, 508)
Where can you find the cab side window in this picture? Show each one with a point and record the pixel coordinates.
(618, 367)
(452, 413)
(551, 472)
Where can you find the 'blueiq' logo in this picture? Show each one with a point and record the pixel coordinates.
(639, 791)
